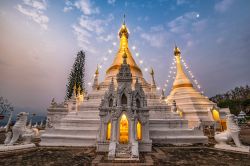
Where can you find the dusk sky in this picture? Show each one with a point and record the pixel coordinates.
(39, 40)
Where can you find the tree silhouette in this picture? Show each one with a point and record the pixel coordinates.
(237, 99)
(77, 75)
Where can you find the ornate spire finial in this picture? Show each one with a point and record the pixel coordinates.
(153, 85)
(97, 70)
(152, 71)
(123, 30)
(162, 92)
(177, 51)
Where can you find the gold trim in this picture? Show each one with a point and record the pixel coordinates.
(182, 85)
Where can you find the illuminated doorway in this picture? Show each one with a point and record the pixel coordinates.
(124, 129)
(108, 135)
(139, 132)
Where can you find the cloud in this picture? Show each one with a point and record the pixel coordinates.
(182, 23)
(223, 5)
(34, 10)
(106, 38)
(155, 39)
(111, 2)
(157, 28)
(36, 4)
(36, 15)
(181, 2)
(88, 28)
(67, 9)
(86, 7)
(185, 26)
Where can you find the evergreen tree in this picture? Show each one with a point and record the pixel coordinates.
(77, 75)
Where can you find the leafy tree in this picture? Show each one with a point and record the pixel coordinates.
(237, 99)
(77, 75)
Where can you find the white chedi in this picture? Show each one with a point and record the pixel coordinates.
(232, 133)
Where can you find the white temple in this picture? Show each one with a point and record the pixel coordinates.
(126, 112)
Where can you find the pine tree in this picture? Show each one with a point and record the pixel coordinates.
(77, 75)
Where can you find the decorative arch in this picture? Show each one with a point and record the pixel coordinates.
(110, 102)
(124, 100)
(138, 103)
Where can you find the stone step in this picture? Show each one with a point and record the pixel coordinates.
(172, 132)
(179, 139)
(67, 140)
(123, 151)
(91, 131)
(122, 155)
(76, 122)
(84, 115)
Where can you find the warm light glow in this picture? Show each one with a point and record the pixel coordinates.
(139, 131)
(216, 115)
(108, 131)
(124, 129)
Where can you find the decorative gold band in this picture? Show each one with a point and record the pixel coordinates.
(182, 85)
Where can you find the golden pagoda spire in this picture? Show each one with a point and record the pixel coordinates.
(181, 80)
(113, 69)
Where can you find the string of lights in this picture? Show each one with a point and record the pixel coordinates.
(143, 64)
(103, 60)
(145, 67)
(191, 75)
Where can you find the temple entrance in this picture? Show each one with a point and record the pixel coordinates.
(123, 129)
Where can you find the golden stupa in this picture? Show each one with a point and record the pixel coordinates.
(191, 103)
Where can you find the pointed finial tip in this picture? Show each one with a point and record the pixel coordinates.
(124, 16)
(97, 70)
(152, 71)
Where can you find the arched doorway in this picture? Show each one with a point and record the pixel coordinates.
(123, 138)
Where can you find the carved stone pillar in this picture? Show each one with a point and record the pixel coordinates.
(132, 130)
(102, 126)
(114, 127)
